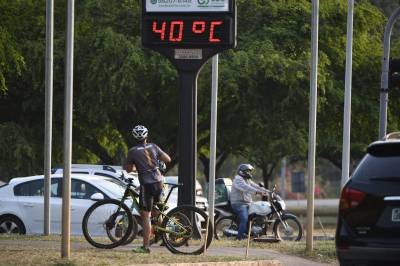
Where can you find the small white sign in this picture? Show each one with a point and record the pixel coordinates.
(187, 5)
(188, 54)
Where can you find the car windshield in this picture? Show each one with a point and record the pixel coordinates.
(113, 186)
(373, 167)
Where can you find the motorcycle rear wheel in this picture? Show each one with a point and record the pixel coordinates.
(225, 223)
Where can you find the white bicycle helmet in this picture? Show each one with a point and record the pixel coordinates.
(140, 132)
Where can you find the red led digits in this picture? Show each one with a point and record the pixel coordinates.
(199, 27)
(160, 31)
(172, 29)
(213, 25)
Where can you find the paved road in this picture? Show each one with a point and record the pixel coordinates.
(286, 260)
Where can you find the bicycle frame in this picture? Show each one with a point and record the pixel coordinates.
(130, 193)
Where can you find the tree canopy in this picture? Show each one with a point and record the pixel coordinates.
(263, 86)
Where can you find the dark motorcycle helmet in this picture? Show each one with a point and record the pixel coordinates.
(245, 170)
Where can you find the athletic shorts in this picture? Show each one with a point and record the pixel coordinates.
(149, 194)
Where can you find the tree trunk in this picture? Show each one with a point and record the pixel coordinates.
(206, 166)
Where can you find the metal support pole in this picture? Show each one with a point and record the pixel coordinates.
(347, 97)
(385, 74)
(213, 138)
(187, 137)
(48, 114)
(69, 70)
(283, 178)
(312, 125)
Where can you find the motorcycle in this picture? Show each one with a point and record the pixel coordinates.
(266, 214)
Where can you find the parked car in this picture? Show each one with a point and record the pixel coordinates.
(21, 201)
(368, 228)
(115, 172)
(201, 202)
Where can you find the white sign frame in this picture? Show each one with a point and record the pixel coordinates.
(165, 6)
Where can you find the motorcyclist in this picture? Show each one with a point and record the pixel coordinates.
(145, 158)
(241, 196)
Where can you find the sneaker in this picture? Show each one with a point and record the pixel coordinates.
(141, 250)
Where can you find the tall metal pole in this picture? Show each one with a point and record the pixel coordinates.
(48, 114)
(213, 137)
(187, 137)
(385, 74)
(312, 125)
(347, 97)
(69, 70)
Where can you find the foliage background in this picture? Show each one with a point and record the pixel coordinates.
(263, 87)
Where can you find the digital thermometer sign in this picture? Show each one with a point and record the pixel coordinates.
(188, 31)
(168, 26)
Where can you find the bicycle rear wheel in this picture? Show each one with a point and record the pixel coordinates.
(184, 230)
(107, 218)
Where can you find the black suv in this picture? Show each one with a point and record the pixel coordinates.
(368, 229)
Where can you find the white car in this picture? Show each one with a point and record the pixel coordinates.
(21, 202)
(101, 170)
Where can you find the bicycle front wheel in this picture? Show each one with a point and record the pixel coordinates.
(107, 224)
(184, 230)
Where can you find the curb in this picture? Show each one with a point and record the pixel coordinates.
(220, 263)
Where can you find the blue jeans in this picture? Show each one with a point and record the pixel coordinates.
(241, 210)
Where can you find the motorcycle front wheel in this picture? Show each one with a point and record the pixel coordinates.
(289, 229)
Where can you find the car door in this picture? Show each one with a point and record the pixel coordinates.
(81, 191)
(30, 201)
(30, 197)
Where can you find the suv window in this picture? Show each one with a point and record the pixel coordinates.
(83, 190)
(36, 188)
(378, 167)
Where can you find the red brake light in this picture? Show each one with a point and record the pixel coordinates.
(351, 198)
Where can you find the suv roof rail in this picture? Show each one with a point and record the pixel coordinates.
(392, 136)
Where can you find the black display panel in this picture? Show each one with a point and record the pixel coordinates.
(188, 31)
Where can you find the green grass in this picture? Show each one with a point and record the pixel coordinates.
(323, 251)
(11, 256)
(38, 250)
(45, 250)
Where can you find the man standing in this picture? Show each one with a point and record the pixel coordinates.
(144, 157)
(242, 190)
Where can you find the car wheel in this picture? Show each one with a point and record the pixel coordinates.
(11, 225)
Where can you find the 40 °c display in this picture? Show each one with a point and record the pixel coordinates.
(188, 31)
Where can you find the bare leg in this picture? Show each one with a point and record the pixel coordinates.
(146, 227)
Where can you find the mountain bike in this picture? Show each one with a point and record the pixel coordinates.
(183, 229)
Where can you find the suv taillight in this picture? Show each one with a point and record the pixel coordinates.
(351, 198)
